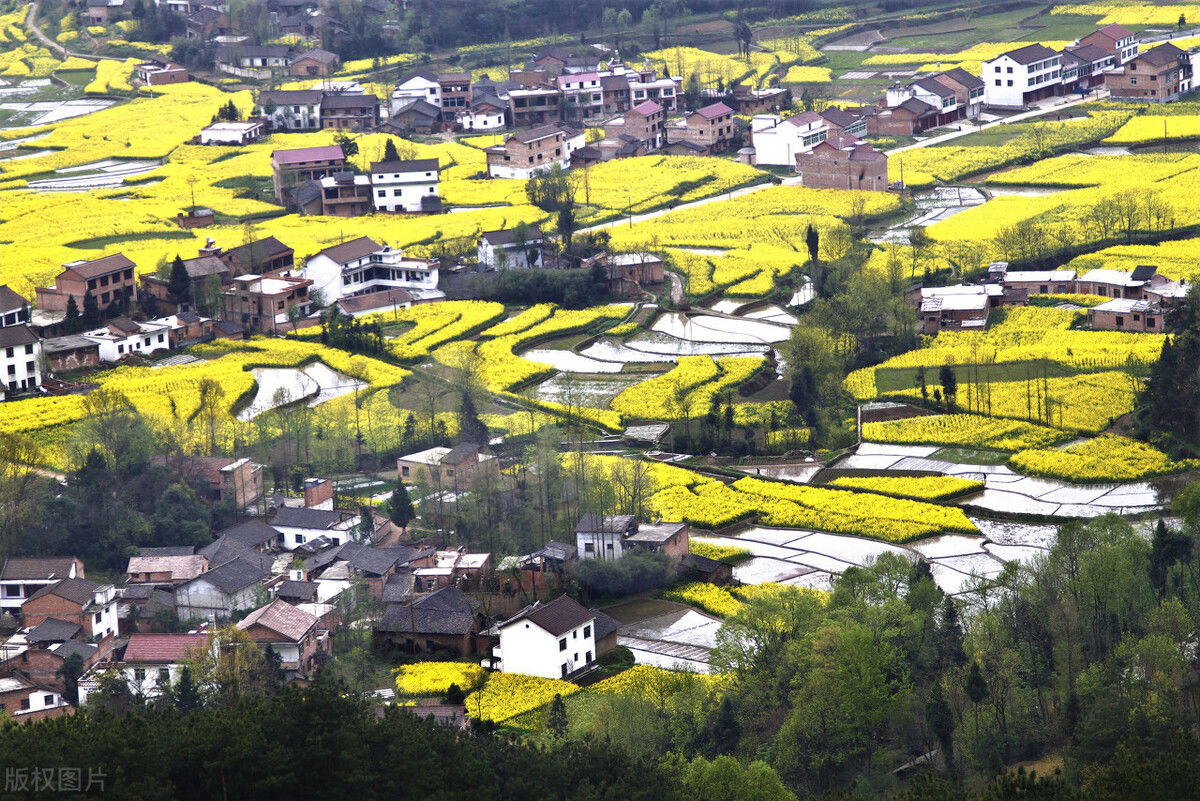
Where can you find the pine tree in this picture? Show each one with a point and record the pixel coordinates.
(950, 637)
(813, 239)
(186, 693)
(470, 427)
(940, 718)
(72, 321)
(949, 384)
(389, 151)
(91, 310)
(400, 507)
(179, 287)
(556, 721)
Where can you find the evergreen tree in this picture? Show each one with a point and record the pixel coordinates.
(455, 695)
(813, 239)
(940, 718)
(556, 720)
(400, 505)
(950, 637)
(69, 672)
(470, 427)
(72, 322)
(179, 286)
(91, 310)
(186, 695)
(949, 384)
(389, 151)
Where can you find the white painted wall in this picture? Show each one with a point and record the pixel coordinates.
(527, 648)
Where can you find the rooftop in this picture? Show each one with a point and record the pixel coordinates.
(281, 618)
(164, 648)
(557, 617)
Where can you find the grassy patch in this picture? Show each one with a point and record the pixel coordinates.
(971, 456)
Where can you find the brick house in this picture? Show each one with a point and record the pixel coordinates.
(534, 105)
(1127, 314)
(75, 600)
(108, 279)
(25, 700)
(264, 255)
(315, 63)
(291, 632)
(1116, 40)
(710, 127)
(1117, 283)
(71, 352)
(913, 116)
(526, 152)
(164, 571)
(291, 168)
(220, 478)
(447, 620)
(455, 91)
(609, 537)
(1157, 75)
(458, 466)
(644, 122)
(153, 73)
(829, 167)
(349, 112)
(260, 303)
(200, 271)
(21, 577)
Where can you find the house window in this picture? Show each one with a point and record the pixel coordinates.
(299, 539)
(587, 630)
(589, 547)
(562, 644)
(48, 700)
(164, 674)
(1120, 321)
(589, 656)
(565, 671)
(139, 675)
(25, 701)
(1150, 322)
(575, 635)
(97, 618)
(12, 591)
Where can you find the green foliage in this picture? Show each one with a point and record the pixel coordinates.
(634, 572)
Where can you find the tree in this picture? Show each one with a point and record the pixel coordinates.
(940, 718)
(181, 518)
(389, 151)
(185, 694)
(949, 384)
(551, 189)
(624, 18)
(455, 695)
(692, 91)
(470, 427)
(72, 321)
(232, 665)
(400, 505)
(566, 225)
(556, 719)
(179, 286)
(812, 239)
(91, 310)
(69, 672)
(976, 688)
(347, 143)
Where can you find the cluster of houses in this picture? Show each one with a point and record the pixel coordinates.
(1138, 300)
(317, 180)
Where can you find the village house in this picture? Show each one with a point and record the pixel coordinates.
(499, 250)
(539, 104)
(544, 568)
(968, 91)
(40, 660)
(1040, 282)
(297, 525)
(315, 63)
(609, 537)
(349, 112)
(14, 309)
(627, 273)
(252, 61)
(449, 568)
(407, 185)
(220, 478)
(1127, 314)
(486, 112)
(710, 128)
(292, 633)
(414, 115)
(1084, 68)
(71, 352)
(1021, 76)
(25, 700)
(777, 140)
(1115, 40)
(233, 134)
(266, 255)
(374, 302)
(164, 571)
(261, 303)
(363, 266)
(152, 663)
(20, 361)
(446, 620)
(343, 194)
(109, 279)
(121, 337)
(75, 600)
(253, 534)
(156, 73)
(583, 96)
(553, 640)
(1158, 75)
(848, 122)
(644, 123)
(526, 152)
(21, 577)
(445, 467)
(912, 117)
(101, 12)
(850, 166)
(1118, 284)
(220, 591)
(291, 168)
(956, 307)
(454, 88)
(206, 22)
(202, 271)
(296, 110)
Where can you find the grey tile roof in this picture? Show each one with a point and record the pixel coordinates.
(295, 517)
(557, 617)
(251, 533)
(53, 630)
(235, 575)
(447, 611)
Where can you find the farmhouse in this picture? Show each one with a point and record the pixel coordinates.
(553, 640)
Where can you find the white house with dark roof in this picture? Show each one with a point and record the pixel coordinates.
(20, 360)
(499, 250)
(222, 590)
(777, 141)
(297, 525)
(1021, 76)
(361, 266)
(21, 577)
(410, 185)
(553, 640)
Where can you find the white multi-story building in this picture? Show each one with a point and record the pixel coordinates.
(123, 336)
(777, 141)
(553, 640)
(1022, 76)
(583, 98)
(420, 85)
(291, 109)
(404, 185)
(20, 360)
(363, 265)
